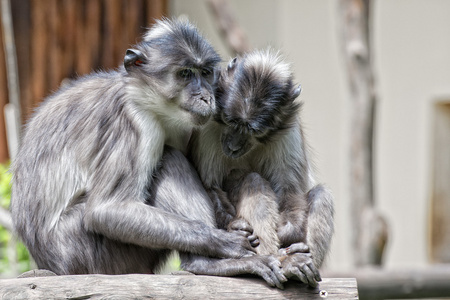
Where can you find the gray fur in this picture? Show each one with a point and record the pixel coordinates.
(257, 130)
(257, 204)
(85, 198)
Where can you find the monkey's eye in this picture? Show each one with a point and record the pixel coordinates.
(206, 72)
(260, 133)
(185, 73)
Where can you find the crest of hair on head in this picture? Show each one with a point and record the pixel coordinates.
(269, 60)
(166, 26)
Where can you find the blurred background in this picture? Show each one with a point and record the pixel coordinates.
(376, 92)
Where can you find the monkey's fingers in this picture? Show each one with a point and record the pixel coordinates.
(234, 245)
(272, 280)
(296, 274)
(306, 270)
(314, 270)
(269, 268)
(240, 225)
(253, 239)
(278, 272)
(297, 248)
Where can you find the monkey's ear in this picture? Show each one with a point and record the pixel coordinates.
(232, 64)
(134, 58)
(296, 92)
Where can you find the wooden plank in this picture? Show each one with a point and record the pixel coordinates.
(39, 58)
(22, 29)
(55, 55)
(111, 34)
(156, 9)
(93, 33)
(3, 101)
(83, 44)
(133, 20)
(137, 286)
(380, 283)
(69, 38)
(440, 201)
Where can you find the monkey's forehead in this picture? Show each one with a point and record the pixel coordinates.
(181, 42)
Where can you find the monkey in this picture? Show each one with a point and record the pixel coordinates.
(101, 183)
(254, 161)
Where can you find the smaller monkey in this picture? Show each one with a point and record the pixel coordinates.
(253, 160)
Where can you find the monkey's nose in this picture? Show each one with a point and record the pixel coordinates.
(234, 148)
(207, 99)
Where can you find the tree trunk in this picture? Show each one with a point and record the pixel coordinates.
(370, 229)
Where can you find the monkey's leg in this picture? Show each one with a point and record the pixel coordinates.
(69, 248)
(257, 204)
(179, 190)
(320, 226)
(224, 210)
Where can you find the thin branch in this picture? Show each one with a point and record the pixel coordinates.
(13, 77)
(229, 27)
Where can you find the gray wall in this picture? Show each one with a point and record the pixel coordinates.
(412, 64)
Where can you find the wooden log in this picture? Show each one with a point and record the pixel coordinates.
(3, 101)
(380, 283)
(39, 47)
(22, 31)
(112, 34)
(156, 9)
(138, 286)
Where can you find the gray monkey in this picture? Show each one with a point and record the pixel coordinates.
(253, 160)
(100, 182)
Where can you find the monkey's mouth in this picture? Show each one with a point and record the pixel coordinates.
(234, 153)
(199, 116)
(200, 110)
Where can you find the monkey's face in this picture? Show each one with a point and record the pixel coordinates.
(236, 143)
(179, 70)
(255, 102)
(197, 94)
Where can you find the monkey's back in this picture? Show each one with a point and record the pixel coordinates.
(58, 146)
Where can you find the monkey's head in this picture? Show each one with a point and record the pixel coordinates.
(255, 99)
(176, 69)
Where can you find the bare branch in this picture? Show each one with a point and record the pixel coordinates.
(229, 27)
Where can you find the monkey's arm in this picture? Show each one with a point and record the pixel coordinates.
(116, 204)
(320, 226)
(140, 224)
(293, 218)
(313, 225)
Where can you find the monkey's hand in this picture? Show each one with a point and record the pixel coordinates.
(299, 266)
(232, 245)
(224, 217)
(268, 267)
(242, 227)
(294, 248)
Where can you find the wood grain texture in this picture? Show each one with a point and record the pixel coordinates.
(137, 286)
